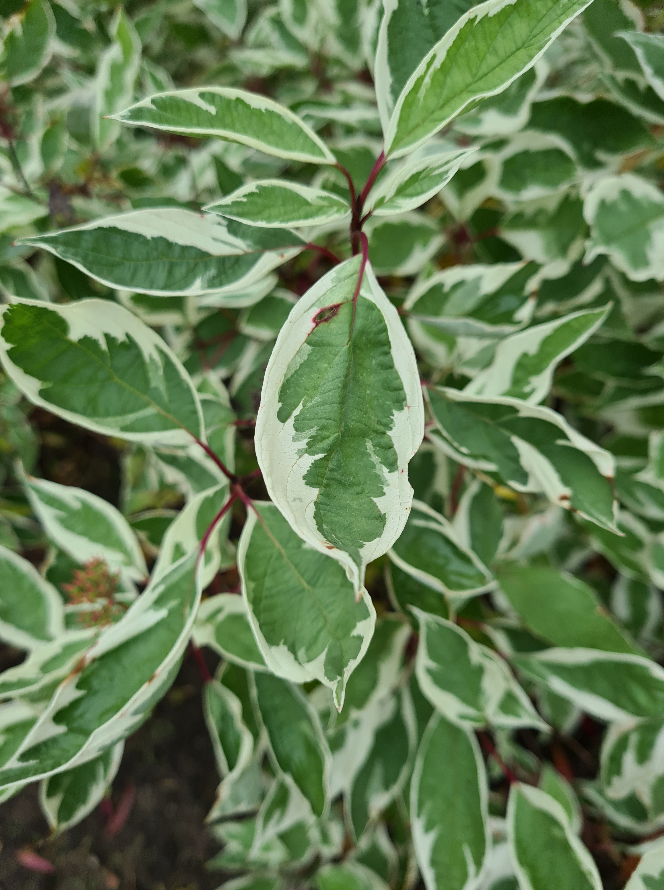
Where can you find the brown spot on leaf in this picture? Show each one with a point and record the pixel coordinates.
(327, 313)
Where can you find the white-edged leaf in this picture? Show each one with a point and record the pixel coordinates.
(117, 681)
(341, 415)
(171, 252)
(68, 797)
(531, 447)
(509, 110)
(28, 45)
(272, 203)
(543, 843)
(16, 719)
(557, 787)
(284, 807)
(632, 763)
(608, 685)
(232, 742)
(649, 49)
(415, 181)
(86, 526)
(523, 363)
(31, 609)
(98, 366)
(116, 78)
(228, 15)
(402, 245)
(487, 49)
(429, 551)
(223, 624)
(228, 113)
(626, 218)
(301, 605)
(295, 737)
(649, 874)
(46, 665)
(449, 807)
(466, 682)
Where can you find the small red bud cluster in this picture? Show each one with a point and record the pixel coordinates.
(95, 584)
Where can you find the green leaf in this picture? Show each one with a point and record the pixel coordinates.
(414, 182)
(531, 166)
(449, 807)
(232, 742)
(531, 447)
(562, 609)
(342, 409)
(16, 720)
(509, 110)
(543, 844)
(553, 784)
(171, 252)
(603, 19)
(228, 15)
(70, 796)
(116, 683)
(47, 665)
(86, 526)
(607, 685)
(626, 218)
(631, 765)
(468, 683)
(487, 49)
(236, 115)
(523, 363)
(295, 737)
(284, 807)
(301, 605)
(649, 49)
(223, 624)
(29, 43)
(95, 364)
(649, 874)
(429, 551)
(31, 610)
(116, 78)
(349, 876)
(274, 202)
(403, 245)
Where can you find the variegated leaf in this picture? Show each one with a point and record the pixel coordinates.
(543, 843)
(632, 764)
(531, 447)
(284, 807)
(232, 742)
(348, 876)
(228, 15)
(487, 49)
(228, 113)
(301, 605)
(649, 49)
(47, 665)
(466, 682)
(68, 797)
(29, 44)
(341, 415)
(95, 364)
(429, 551)
(115, 683)
(401, 246)
(295, 737)
(171, 252)
(415, 181)
(449, 807)
(557, 787)
(649, 874)
(116, 78)
(31, 609)
(223, 624)
(86, 526)
(16, 720)
(626, 218)
(607, 685)
(272, 203)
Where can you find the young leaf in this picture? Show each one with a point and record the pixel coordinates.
(86, 526)
(295, 737)
(228, 15)
(607, 685)
(626, 217)
(414, 182)
(341, 410)
(117, 681)
(29, 44)
(487, 49)
(543, 844)
(171, 252)
(274, 202)
(523, 363)
(649, 874)
(70, 796)
(95, 364)
(562, 609)
(116, 78)
(232, 742)
(429, 551)
(301, 605)
(31, 610)
(532, 448)
(449, 807)
(236, 115)
(467, 682)
(223, 624)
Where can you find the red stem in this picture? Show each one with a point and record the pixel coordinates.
(351, 186)
(377, 167)
(203, 669)
(490, 749)
(220, 515)
(324, 252)
(219, 462)
(364, 244)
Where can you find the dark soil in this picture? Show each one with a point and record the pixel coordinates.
(163, 845)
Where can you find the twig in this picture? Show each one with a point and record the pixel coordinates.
(490, 749)
(218, 461)
(324, 252)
